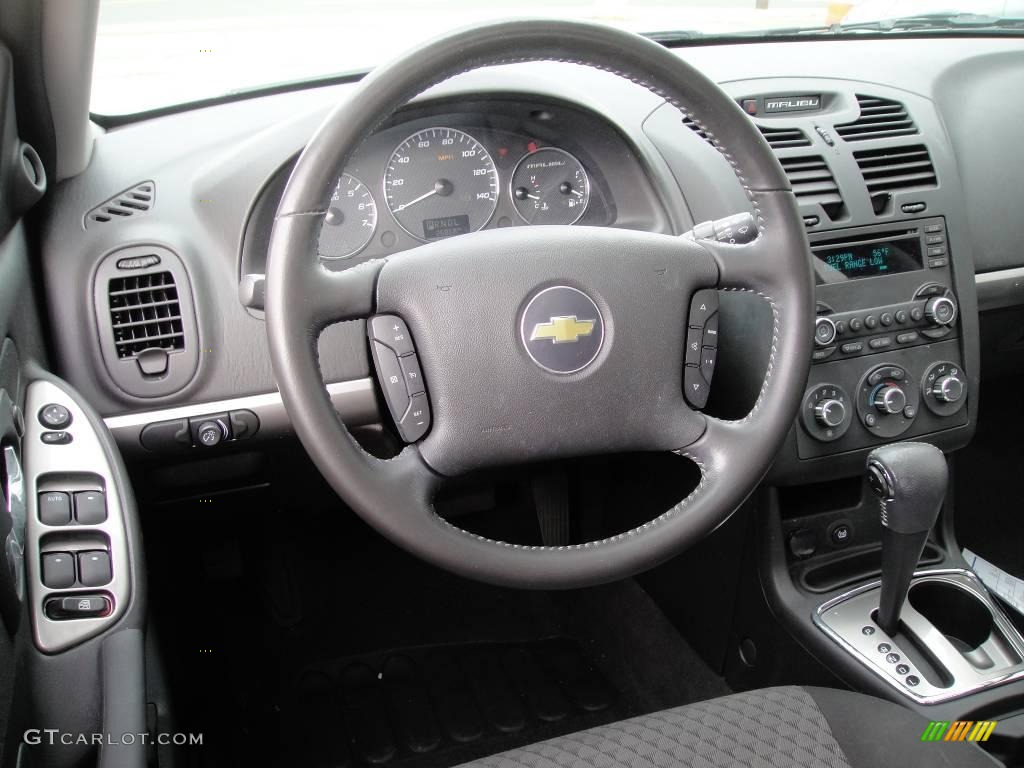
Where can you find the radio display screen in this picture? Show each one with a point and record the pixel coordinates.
(851, 262)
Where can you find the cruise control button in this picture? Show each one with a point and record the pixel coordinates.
(417, 420)
(412, 373)
(694, 336)
(54, 508)
(703, 306)
(695, 387)
(54, 416)
(392, 380)
(709, 355)
(58, 570)
(94, 568)
(90, 507)
(391, 331)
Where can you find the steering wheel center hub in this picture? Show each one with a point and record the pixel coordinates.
(562, 329)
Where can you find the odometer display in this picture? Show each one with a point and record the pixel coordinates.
(441, 182)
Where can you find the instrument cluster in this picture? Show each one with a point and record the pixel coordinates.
(441, 181)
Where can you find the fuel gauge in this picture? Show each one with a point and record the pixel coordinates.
(550, 186)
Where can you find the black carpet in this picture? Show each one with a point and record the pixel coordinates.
(303, 638)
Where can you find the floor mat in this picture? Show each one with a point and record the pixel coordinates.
(443, 705)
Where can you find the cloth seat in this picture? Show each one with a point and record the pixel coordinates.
(770, 728)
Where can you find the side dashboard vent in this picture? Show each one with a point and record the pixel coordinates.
(689, 123)
(879, 118)
(813, 183)
(895, 168)
(146, 320)
(136, 200)
(781, 138)
(145, 313)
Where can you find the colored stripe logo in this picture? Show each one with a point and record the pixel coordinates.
(959, 730)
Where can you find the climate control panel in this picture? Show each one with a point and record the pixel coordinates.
(887, 401)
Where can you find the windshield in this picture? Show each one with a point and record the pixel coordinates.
(157, 53)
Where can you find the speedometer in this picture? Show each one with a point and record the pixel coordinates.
(441, 182)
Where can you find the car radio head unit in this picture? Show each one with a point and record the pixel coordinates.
(878, 251)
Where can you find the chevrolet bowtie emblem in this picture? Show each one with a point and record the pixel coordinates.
(562, 330)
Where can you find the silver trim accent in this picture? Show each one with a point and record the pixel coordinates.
(842, 619)
(1000, 289)
(355, 401)
(63, 467)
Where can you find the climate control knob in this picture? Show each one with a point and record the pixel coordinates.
(830, 413)
(940, 310)
(890, 399)
(948, 389)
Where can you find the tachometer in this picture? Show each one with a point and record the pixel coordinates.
(441, 182)
(550, 186)
(350, 221)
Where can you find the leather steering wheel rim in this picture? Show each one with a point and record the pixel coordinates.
(395, 495)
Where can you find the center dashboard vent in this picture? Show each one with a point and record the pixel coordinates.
(890, 169)
(813, 183)
(879, 118)
(146, 320)
(130, 202)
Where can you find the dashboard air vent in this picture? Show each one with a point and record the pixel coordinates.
(894, 168)
(138, 199)
(813, 183)
(689, 123)
(879, 118)
(145, 313)
(781, 138)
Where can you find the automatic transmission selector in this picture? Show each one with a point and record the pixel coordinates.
(910, 482)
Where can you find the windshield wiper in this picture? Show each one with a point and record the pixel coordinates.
(955, 22)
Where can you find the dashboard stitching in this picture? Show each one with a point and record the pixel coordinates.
(679, 507)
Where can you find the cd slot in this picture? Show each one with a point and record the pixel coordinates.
(867, 237)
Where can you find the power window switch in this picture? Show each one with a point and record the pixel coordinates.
(58, 570)
(54, 508)
(90, 507)
(94, 568)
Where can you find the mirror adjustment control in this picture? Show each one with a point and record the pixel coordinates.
(54, 416)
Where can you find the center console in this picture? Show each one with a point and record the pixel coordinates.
(886, 363)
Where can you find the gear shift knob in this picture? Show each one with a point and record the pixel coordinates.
(910, 480)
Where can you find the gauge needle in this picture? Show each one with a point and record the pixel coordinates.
(533, 197)
(411, 203)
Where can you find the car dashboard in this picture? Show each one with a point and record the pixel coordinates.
(874, 145)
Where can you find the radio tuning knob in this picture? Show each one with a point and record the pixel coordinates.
(890, 399)
(948, 389)
(830, 413)
(940, 310)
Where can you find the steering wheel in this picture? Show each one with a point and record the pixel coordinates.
(466, 299)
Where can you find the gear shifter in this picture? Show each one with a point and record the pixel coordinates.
(910, 480)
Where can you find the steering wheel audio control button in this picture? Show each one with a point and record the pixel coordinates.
(391, 331)
(695, 387)
(417, 419)
(412, 373)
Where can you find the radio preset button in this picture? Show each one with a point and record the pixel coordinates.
(886, 318)
(901, 316)
(917, 314)
(870, 322)
(856, 324)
